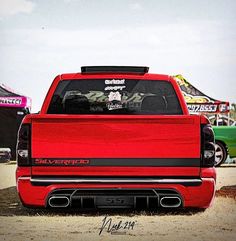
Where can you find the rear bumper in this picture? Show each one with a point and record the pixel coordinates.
(35, 192)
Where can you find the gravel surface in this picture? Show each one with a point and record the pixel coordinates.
(215, 223)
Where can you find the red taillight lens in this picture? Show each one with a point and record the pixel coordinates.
(208, 146)
(24, 146)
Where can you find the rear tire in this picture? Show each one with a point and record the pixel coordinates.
(221, 153)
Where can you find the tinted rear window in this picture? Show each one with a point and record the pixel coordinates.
(115, 96)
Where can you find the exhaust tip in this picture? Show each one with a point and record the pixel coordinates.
(170, 202)
(58, 201)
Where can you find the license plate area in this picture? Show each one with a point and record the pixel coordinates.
(115, 201)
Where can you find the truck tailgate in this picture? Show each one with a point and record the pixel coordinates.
(122, 145)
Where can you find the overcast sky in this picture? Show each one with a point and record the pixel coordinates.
(40, 39)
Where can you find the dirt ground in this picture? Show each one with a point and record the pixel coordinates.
(215, 223)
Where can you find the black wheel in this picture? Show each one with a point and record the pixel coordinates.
(221, 153)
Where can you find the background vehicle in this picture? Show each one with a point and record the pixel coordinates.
(225, 141)
(13, 108)
(115, 137)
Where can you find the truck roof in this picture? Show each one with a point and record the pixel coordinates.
(128, 72)
(147, 76)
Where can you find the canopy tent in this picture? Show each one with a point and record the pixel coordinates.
(13, 107)
(198, 101)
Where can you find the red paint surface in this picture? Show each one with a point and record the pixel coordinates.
(116, 136)
(123, 136)
(116, 171)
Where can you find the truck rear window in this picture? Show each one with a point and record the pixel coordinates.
(115, 96)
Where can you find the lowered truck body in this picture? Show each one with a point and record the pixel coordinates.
(113, 137)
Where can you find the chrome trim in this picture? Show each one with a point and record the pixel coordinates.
(170, 206)
(23, 178)
(114, 180)
(67, 203)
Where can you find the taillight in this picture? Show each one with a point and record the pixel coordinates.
(23, 150)
(208, 146)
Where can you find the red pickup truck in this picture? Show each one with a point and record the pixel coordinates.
(115, 137)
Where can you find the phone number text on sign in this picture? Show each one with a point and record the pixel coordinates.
(202, 108)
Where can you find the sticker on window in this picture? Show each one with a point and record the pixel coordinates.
(115, 81)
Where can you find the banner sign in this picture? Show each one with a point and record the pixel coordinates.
(202, 108)
(16, 101)
(199, 102)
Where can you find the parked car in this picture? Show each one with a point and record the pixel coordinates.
(115, 137)
(225, 142)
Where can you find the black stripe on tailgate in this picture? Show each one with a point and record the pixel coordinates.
(134, 162)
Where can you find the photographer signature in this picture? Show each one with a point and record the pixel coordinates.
(113, 228)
